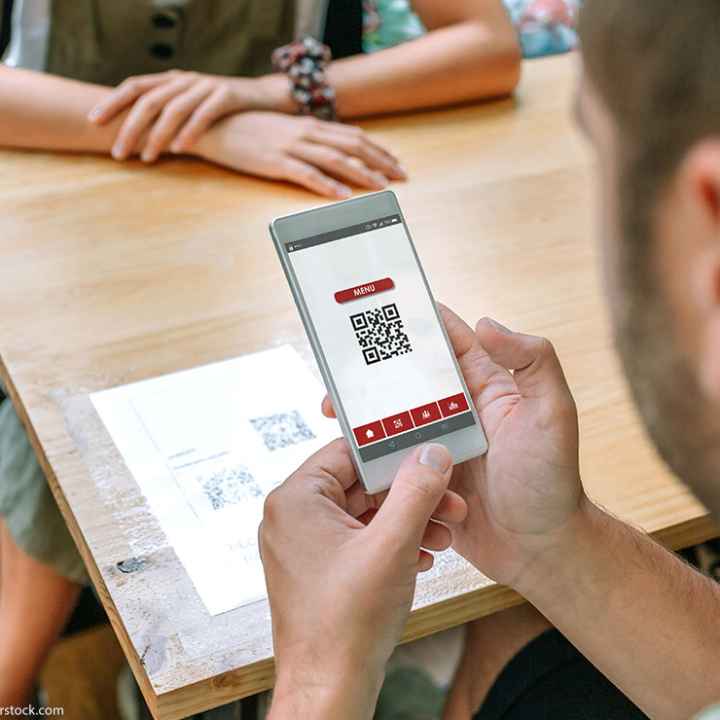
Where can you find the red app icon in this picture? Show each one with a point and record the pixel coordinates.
(453, 405)
(425, 414)
(397, 423)
(369, 433)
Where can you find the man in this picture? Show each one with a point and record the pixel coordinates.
(650, 103)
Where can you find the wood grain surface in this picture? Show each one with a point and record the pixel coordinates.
(114, 273)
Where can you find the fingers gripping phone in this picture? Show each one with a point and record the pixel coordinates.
(376, 333)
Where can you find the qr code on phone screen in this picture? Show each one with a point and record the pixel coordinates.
(380, 333)
(282, 430)
(229, 486)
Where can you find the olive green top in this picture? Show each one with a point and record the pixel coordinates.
(106, 41)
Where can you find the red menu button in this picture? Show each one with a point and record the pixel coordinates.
(370, 433)
(360, 291)
(453, 405)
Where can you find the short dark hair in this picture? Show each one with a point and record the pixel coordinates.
(656, 66)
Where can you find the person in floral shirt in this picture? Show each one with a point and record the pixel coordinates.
(545, 27)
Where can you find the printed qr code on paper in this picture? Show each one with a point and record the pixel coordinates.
(380, 333)
(229, 486)
(282, 430)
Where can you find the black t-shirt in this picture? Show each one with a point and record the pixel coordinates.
(344, 27)
(5, 15)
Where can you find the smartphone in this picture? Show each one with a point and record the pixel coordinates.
(376, 333)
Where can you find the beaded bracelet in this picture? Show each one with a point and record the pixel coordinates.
(304, 61)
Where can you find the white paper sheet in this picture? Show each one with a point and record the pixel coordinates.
(206, 446)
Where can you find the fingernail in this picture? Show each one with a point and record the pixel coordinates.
(401, 171)
(146, 156)
(175, 147)
(117, 152)
(436, 456)
(93, 115)
(380, 180)
(498, 326)
(344, 191)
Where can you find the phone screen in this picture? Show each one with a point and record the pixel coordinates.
(374, 318)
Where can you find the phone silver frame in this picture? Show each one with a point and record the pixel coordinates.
(376, 475)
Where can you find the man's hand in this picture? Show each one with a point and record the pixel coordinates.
(321, 156)
(525, 493)
(341, 568)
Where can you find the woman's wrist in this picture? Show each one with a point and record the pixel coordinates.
(270, 92)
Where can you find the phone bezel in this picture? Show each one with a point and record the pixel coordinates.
(376, 475)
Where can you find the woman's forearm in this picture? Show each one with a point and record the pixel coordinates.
(466, 61)
(47, 112)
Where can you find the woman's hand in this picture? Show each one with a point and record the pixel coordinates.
(171, 110)
(320, 156)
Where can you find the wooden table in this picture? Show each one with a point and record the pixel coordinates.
(115, 273)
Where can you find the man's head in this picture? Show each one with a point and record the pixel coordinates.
(650, 102)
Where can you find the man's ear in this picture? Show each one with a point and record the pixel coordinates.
(702, 169)
(700, 190)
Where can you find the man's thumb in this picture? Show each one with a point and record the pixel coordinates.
(416, 491)
(535, 365)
